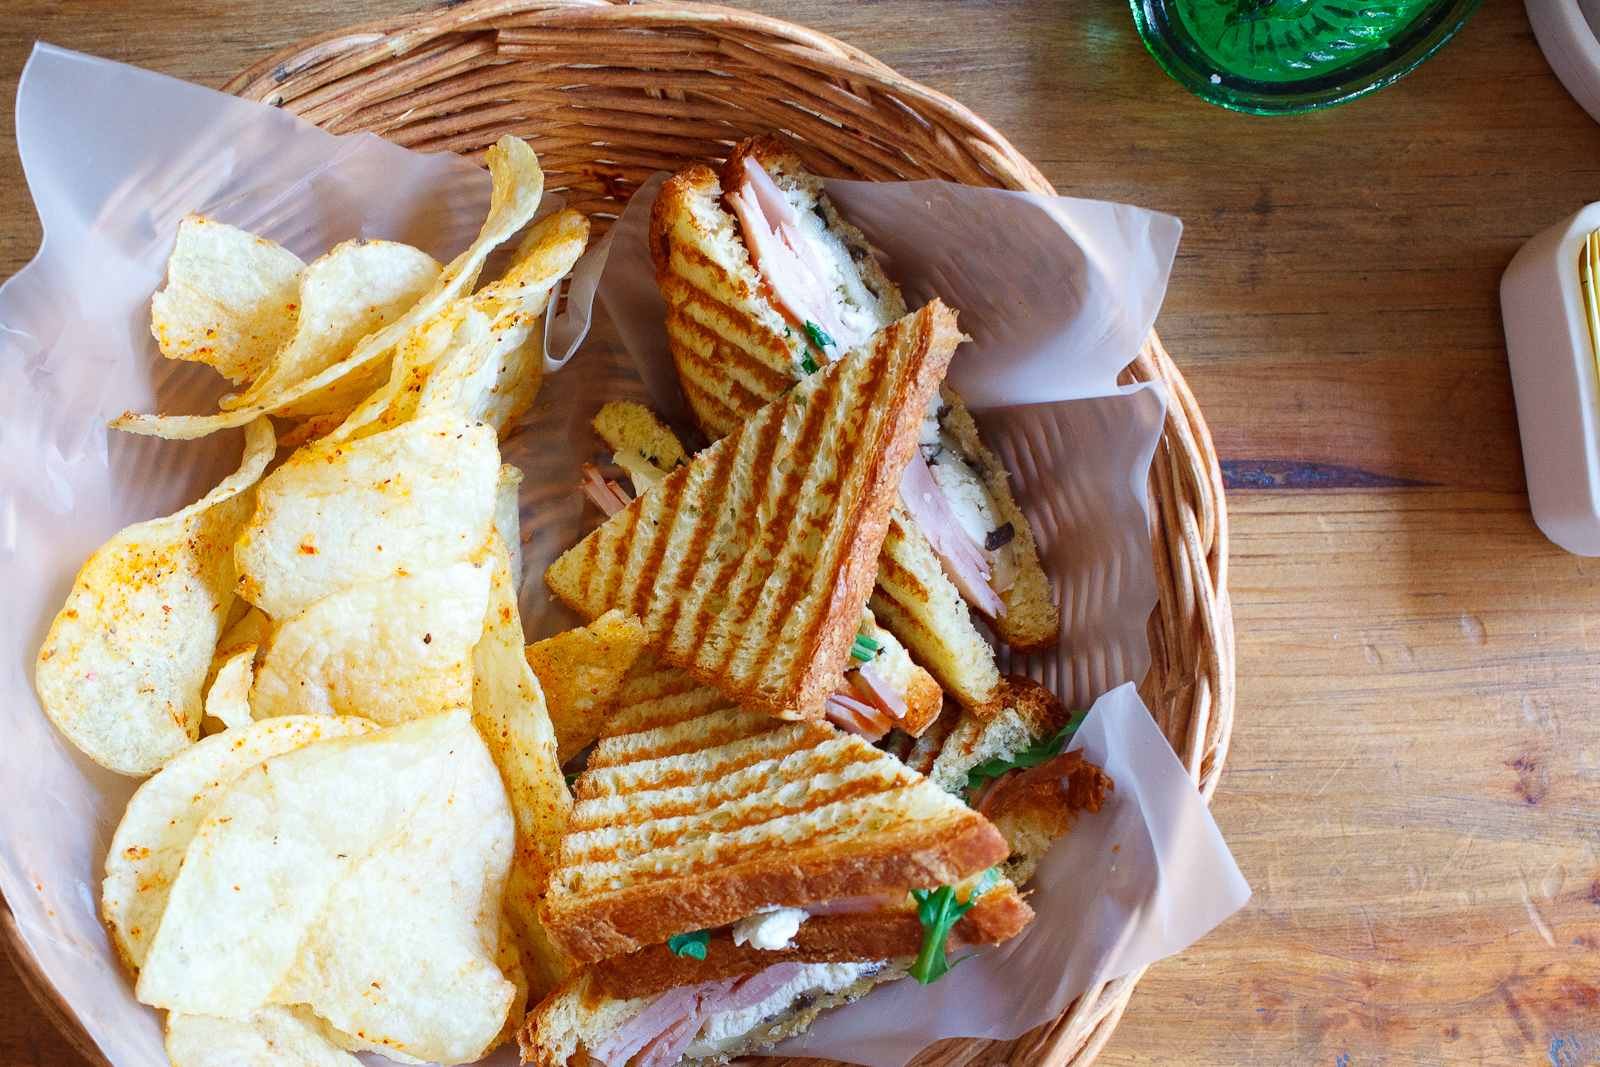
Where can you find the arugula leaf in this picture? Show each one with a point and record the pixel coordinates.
(1032, 756)
(808, 365)
(938, 909)
(572, 778)
(690, 944)
(818, 336)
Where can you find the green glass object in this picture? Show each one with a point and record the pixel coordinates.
(1273, 57)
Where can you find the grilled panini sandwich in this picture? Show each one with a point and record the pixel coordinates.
(1011, 769)
(706, 816)
(883, 688)
(764, 283)
(698, 1026)
(750, 566)
(726, 876)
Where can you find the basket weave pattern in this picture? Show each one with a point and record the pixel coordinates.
(608, 94)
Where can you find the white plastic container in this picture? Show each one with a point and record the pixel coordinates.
(1557, 387)
(1565, 30)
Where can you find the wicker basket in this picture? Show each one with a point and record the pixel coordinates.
(608, 94)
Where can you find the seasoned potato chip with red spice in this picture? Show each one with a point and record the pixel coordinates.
(389, 650)
(231, 299)
(164, 814)
(360, 877)
(122, 668)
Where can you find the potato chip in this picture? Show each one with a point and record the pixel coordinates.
(483, 355)
(390, 650)
(345, 295)
(228, 699)
(518, 185)
(508, 518)
(121, 670)
(164, 814)
(250, 629)
(580, 672)
(412, 499)
(498, 382)
(230, 300)
(509, 960)
(509, 710)
(271, 1037)
(360, 877)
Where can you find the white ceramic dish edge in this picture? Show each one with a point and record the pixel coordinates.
(1557, 386)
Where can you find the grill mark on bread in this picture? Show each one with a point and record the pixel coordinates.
(727, 463)
(775, 526)
(659, 823)
(662, 503)
(662, 800)
(827, 575)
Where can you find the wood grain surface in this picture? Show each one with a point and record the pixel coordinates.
(1410, 785)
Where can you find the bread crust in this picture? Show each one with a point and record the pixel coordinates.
(591, 928)
(861, 938)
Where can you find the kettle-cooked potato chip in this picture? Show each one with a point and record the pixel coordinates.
(411, 499)
(481, 356)
(389, 650)
(121, 670)
(509, 710)
(344, 296)
(498, 381)
(518, 185)
(272, 1037)
(360, 877)
(230, 298)
(164, 814)
(508, 518)
(228, 699)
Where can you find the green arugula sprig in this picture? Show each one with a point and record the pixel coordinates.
(690, 944)
(938, 909)
(1031, 756)
(818, 335)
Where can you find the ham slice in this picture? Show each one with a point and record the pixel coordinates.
(963, 561)
(855, 717)
(850, 905)
(876, 689)
(607, 494)
(849, 713)
(643, 1028)
(661, 1033)
(786, 259)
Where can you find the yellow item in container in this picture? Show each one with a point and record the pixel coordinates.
(1588, 268)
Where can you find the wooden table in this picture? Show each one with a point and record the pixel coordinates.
(1414, 737)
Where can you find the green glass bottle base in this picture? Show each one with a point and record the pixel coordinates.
(1275, 57)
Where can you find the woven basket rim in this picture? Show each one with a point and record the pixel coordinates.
(1190, 685)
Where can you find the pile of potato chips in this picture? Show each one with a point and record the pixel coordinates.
(350, 860)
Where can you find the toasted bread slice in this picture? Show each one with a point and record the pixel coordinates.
(629, 427)
(581, 1017)
(749, 567)
(919, 605)
(703, 822)
(734, 350)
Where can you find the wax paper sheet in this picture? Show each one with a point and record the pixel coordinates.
(115, 157)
